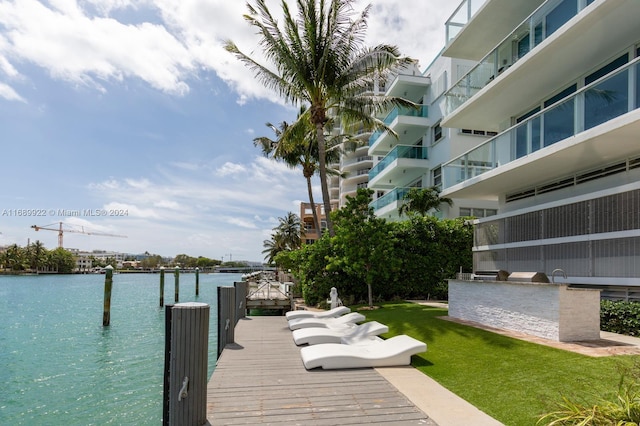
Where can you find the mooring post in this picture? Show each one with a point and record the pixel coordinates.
(177, 291)
(187, 353)
(108, 283)
(161, 286)
(197, 281)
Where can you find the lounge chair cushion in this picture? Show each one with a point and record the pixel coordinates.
(318, 335)
(340, 322)
(385, 353)
(331, 313)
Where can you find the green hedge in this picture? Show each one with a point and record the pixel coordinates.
(620, 317)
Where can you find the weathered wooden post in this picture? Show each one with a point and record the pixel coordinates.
(188, 355)
(177, 286)
(108, 283)
(197, 281)
(161, 286)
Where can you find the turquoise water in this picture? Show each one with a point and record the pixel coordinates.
(60, 366)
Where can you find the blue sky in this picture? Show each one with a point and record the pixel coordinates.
(134, 107)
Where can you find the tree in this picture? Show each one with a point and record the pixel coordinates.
(286, 237)
(36, 255)
(319, 59)
(421, 200)
(61, 260)
(364, 244)
(295, 145)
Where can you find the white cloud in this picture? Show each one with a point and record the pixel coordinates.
(169, 41)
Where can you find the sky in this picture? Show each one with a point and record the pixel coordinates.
(128, 118)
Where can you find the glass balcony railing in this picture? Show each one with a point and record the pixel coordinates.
(543, 22)
(461, 17)
(421, 111)
(399, 151)
(609, 97)
(392, 196)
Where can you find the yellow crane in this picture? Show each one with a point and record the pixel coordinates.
(60, 230)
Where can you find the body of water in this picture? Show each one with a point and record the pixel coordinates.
(60, 366)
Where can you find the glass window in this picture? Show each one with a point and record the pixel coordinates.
(566, 10)
(522, 134)
(523, 46)
(437, 132)
(606, 100)
(559, 123)
(465, 211)
(437, 177)
(611, 66)
(555, 98)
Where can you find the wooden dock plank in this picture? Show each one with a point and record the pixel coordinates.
(261, 380)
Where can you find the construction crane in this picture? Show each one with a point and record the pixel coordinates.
(61, 231)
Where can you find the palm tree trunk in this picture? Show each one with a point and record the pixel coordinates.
(322, 163)
(316, 222)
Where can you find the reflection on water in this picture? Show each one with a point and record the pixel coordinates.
(59, 365)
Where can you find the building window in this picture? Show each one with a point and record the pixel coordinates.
(437, 132)
(436, 177)
(476, 212)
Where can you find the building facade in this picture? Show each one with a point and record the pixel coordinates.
(412, 154)
(557, 83)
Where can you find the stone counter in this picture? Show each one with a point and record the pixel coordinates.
(551, 311)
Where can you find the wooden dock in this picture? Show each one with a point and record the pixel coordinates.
(260, 379)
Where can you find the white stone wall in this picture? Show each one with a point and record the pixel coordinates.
(552, 311)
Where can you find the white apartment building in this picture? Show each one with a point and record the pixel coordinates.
(414, 155)
(558, 81)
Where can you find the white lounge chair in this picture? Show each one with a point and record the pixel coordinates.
(331, 313)
(318, 335)
(345, 320)
(385, 353)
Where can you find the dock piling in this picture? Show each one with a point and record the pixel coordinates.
(108, 284)
(177, 287)
(161, 286)
(197, 281)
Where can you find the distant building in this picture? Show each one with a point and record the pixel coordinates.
(309, 232)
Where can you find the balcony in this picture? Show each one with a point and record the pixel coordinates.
(409, 86)
(478, 25)
(594, 126)
(408, 123)
(391, 198)
(552, 47)
(402, 165)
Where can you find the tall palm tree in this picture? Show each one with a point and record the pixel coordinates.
(295, 145)
(421, 200)
(286, 236)
(319, 59)
(289, 228)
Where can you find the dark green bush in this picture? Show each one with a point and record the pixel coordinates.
(620, 317)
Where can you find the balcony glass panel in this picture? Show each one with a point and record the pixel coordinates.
(421, 111)
(541, 23)
(399, 151)
(597, 103)
(461, 17)
(388, 198)
(606, 100)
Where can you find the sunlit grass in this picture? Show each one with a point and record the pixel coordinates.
(512, 380)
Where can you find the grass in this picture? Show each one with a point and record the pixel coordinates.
(512, 380)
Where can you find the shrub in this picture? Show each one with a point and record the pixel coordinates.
(620, 317)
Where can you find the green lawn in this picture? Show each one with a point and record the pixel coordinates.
(512, 380)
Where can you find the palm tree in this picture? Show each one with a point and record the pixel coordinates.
(319, 59)
(421, 200)
(37, 255)
(295, 145)
(290, 230)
